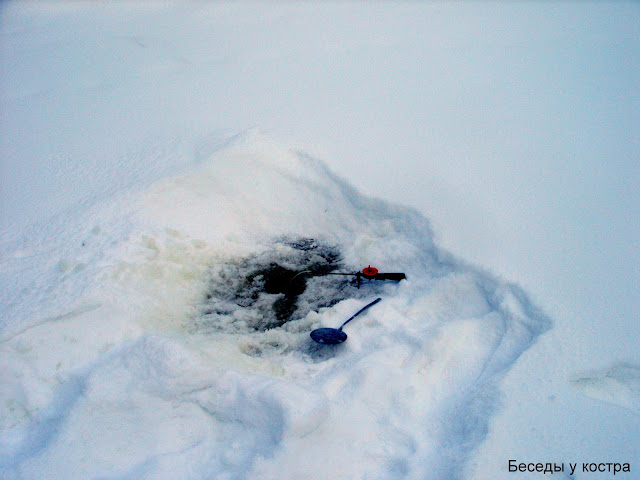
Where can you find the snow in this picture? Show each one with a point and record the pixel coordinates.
(619, 385)
(142, 212)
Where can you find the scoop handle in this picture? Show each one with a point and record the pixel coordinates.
(360, 311)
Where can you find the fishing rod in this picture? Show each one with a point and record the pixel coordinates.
(369, 273)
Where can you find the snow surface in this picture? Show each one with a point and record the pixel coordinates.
(126, 197)
(619, 385)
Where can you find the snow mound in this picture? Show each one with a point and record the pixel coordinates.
(180, 349)
(618, 385)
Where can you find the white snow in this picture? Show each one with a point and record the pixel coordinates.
(140, 208)
(619, 385)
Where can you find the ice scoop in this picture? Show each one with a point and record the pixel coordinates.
(333, 336)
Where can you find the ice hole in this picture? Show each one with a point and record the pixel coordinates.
(279, 285)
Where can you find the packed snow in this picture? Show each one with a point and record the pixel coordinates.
(162, 261)
(169, 361)
(619, 385)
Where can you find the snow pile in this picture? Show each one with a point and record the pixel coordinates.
(156, 338)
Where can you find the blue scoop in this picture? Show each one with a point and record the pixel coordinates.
(333, 336)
